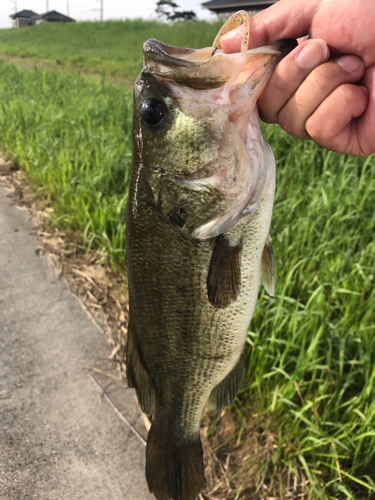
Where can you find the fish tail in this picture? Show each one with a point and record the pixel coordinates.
(174, 471)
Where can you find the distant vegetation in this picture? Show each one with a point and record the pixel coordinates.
(310, 358)
(167, 10)
(114, 47)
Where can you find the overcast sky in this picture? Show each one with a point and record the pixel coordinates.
(83, 9)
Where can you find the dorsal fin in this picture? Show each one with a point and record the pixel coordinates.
(267, 268)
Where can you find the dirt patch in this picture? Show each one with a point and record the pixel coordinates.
(242, 454)
(242, 459)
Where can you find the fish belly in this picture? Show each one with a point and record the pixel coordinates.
(187, 345)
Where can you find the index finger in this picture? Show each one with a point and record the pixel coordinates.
(284, 19)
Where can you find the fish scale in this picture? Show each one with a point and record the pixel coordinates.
(199, 211)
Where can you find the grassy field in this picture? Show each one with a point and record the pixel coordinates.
(310, 358)
(73, 137)
(113, 47)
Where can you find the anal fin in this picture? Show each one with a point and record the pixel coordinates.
(226, 391)
(136, 374)
(224, 274)
(267, 268)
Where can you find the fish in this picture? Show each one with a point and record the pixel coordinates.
(197, 242)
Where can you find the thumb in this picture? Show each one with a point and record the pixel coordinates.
(284, 19)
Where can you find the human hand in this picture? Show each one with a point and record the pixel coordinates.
(308, 94)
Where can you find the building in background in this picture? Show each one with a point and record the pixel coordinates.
(30, 18)
(23, 18)
(53, 17)
(228, 7)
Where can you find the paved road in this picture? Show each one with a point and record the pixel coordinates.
(59, 440)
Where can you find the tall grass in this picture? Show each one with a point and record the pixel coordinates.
(111, 46)
(310, 359)
(312, 356)
(73, 137)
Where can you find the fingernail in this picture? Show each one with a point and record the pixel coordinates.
(350, 63)
(315, 52)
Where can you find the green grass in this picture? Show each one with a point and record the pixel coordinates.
(317, 334)
(73, 137)
(114, 47)
(319, 330)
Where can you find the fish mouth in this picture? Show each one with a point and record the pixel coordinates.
(223, 89)
(204, 69)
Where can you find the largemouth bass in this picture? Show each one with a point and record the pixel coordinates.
(197, 243)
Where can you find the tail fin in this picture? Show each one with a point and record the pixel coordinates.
(174, 472)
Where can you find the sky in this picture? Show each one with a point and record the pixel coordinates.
(84, 9)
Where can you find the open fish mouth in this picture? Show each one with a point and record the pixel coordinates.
(208, 83)
(204, 69)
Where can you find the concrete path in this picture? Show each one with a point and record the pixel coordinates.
(59, 439)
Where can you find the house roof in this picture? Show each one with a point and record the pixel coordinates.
(222, 5)
(53, 15)
(23, 13)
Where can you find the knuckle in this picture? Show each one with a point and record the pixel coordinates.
(343, 93)
(288, 122)
(348, 93)
(321, 77)
(280, 84)
(314, 129)
(284, 121)
(331, 74)
(293, 116)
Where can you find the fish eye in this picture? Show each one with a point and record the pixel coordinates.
(152, 112)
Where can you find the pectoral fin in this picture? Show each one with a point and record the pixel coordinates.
(225, 393)
(224, 274)
(267, 268)
(136, 374)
